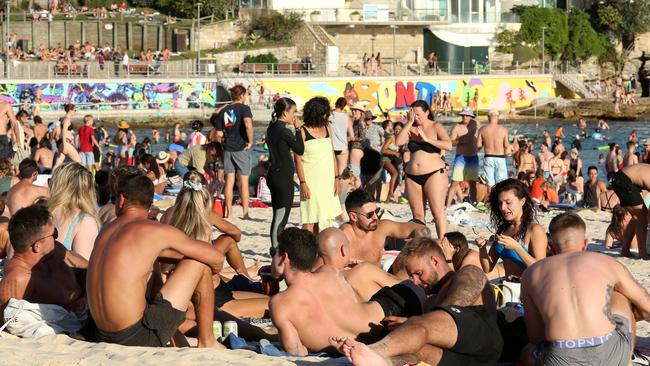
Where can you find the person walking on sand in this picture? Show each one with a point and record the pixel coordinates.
(464, 136)
(494, 141)
(234, 125)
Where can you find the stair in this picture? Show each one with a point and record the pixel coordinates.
(313, 39)
(574, 82)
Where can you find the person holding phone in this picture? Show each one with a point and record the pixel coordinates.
(426, 171)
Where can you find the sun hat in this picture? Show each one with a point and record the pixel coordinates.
(646, 142)
(467, 112)
(369, 115)
(358, 106)
(162, 157)
(123, 125)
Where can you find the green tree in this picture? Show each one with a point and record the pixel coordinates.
(556, 34)
(624, 19)
(584, 41)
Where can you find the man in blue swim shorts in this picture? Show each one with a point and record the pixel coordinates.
(494, 141)
(466, 164)
(580, 307)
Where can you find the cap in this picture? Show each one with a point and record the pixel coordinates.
(467, 112)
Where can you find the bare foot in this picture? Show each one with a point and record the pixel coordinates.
(212, 343)
(360, 354)
(246, 217)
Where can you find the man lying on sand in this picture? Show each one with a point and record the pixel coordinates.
(366, 232)
(41, 269)
(320, 304)
(126, 309)
(628, 183)
(365, 278)
(460, 330)
(591, 318)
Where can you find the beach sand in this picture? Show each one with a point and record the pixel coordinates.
(62, 350)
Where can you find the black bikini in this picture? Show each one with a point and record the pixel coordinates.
(414, 146)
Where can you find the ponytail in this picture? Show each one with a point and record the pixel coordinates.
(281, 105)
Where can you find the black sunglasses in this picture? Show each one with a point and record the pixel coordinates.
(368, 215)
(55, 235)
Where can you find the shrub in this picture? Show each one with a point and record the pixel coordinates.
(276, 26)
(523, 54)
(266, 58)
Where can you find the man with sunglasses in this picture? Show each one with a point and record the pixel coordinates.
(366, 232)
(41, 269)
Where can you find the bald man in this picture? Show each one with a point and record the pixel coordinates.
(366, 279)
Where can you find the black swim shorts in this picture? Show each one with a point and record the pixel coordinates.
(222, 294)
(156, 328)
(479, 339)
(628, 193)
(5, 147)
(404, 299)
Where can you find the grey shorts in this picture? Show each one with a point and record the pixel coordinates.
(615, 351)
(237, 162)
(87, 158)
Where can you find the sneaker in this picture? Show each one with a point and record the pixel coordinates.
(639, 359)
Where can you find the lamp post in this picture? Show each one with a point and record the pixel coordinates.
(6, 40)
(372, 40)
(392, 70)
(543, 29)
(198, 38)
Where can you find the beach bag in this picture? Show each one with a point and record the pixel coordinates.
(28, 320)
(263, 191)
(507, 292)
(19, 155)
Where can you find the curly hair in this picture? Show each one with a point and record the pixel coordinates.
(521, 191)
(316, 112)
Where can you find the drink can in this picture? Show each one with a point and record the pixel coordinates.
(229, 327)
(217, 330)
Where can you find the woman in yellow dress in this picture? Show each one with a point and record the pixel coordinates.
(316, 169)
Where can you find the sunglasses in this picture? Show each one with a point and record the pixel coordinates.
(368, 215)
(55, 235)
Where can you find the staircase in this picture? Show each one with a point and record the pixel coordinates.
(574, 82)
(313, 39)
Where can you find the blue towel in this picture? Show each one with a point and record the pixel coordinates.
(269, 349)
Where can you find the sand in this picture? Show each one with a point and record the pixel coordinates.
(62, 350)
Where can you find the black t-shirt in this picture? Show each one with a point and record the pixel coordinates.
(231, 121)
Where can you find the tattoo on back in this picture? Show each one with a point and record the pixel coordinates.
(607, 310)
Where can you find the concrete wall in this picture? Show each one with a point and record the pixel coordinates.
(132, 36)
(219, 34)
(228, 61)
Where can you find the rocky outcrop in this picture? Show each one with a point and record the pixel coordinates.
(602, 108)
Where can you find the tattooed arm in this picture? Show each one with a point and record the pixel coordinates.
(628, 286)
(466, 289)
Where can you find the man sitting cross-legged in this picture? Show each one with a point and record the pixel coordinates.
(366, 279)
(578, 304)
(366, 233)
(320, 304)
(460, 330)
(122, 268)
(41, 269)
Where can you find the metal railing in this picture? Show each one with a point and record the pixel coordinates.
(346, 15)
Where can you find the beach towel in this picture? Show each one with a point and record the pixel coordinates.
(28, 320)
(270, 349)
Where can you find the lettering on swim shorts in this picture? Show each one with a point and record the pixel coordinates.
(583, 342)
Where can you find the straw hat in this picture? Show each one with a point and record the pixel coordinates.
(162, 157)
(123, 125)
(358, 106)
(467, 112)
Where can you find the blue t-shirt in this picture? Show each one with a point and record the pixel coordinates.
(231, 121)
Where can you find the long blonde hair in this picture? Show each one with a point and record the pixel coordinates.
(192, 208)
(73, 188)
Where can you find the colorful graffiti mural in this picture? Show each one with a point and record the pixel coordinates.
(118, 95)
(493, 93)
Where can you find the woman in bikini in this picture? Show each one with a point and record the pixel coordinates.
(519, 242)
(527, 162)
(426, 173)
(557, 169)
(73, 205)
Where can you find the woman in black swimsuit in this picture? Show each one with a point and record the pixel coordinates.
(426, 174)
(281, 141)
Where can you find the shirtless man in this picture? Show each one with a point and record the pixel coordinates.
(320, 304)
(494, 140)
(466, 164)
(630, 157)
(612, 160)
(544, 156)
(7, 120)
(44, 157)
(366, 232)
(123, 265)
(25, 192)
(365, 278)
(627, 184)
(461, 329)
(600, 303)
(41, 269)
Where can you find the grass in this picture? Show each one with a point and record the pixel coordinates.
(262, 43)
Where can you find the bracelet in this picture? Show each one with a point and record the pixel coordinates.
(303, 182)
(450, 261)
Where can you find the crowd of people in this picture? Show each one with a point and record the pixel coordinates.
(81, 231)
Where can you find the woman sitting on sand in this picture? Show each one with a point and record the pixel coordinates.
(519, 242)
(615, 232)
(192, 214)
(157, 175)
(198, 157)
(455, 247)
(73, 204)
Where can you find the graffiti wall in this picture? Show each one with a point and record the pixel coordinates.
(117, 95)
(381, 95)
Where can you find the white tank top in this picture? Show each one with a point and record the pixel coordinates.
(339, 123)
